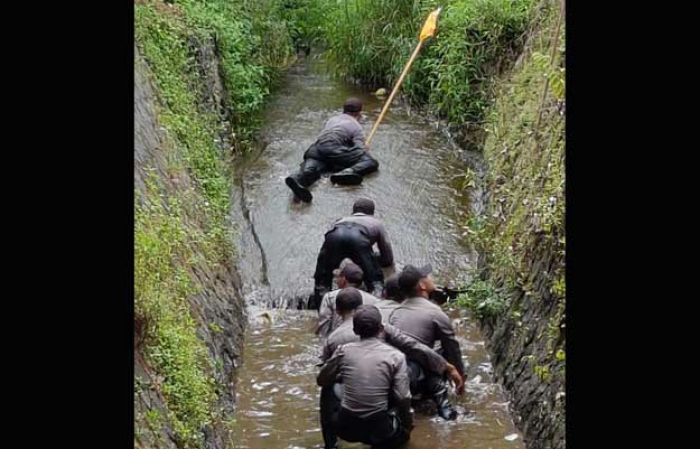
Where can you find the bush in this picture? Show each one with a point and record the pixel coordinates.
(371, 41)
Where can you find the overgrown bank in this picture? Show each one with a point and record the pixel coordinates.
(522, 235)
(477, 40)
(495, 74)
(202, 72)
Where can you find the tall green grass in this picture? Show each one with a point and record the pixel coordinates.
(181, 225)
(370, 41)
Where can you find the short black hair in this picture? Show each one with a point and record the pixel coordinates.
(363, 205)
(391, 288)
(352, 104)
(352, 273)
(367, 321)
(410, 276)
(348, 299)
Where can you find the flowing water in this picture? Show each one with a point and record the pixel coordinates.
(418, 194)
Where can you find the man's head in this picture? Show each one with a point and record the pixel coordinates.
(367, 321)
(347, 300)
(363, 205)
(391, 288)
(416, 281)
(353, 106)
(349, 274)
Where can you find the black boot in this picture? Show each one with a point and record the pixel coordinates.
(445, 409)
(316, 297)
(299, 190)
(346, 177)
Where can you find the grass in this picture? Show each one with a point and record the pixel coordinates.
(164, 247)
(182, 218)
(523, 225)
(370, 41)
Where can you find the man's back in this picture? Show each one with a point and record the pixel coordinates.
(342, 129)
(370, 371)
(341, 335)
(427, 323)
(376, 233)
(328, 318)
(418, 318)
(386, 306)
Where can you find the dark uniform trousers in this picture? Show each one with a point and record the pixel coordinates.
(330, 155)
(346, 239)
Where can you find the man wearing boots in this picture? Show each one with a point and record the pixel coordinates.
(339, 148)
(354, 237)
(423, 320)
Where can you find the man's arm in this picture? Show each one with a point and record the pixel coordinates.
(329, 372)
(326, 353)
(325, 316)
(401, 389)
(386, 254)
(415, 350)
(450, 345)
(357, 136)
(456, 378)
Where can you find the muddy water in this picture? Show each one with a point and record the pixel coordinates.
(277, 398)
(418, 197)
(414, 191)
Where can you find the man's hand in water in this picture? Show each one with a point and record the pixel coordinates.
(455, 378)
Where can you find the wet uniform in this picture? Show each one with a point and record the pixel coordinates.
(414, 349)
(329, 403)
(340, 145)
(354, 237)
(386, 306)
(328, 318)
(373, 373)
(427, 323)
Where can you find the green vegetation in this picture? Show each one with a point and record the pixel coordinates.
(522, 231)
(164, 247)
(467, 75)
(181, 217)
(371, 40)
(305, 20)
(483, 299)
(524, 151)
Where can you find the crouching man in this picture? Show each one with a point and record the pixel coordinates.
(376, 403)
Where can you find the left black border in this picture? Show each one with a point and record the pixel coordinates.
(78, 84)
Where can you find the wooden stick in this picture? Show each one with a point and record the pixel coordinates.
(393, 92)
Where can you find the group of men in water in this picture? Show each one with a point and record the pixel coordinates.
(379, 338)
(379, 353)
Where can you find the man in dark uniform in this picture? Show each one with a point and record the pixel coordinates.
(354, 237)
(339, 148)
(425, 321)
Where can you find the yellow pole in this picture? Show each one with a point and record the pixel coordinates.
(427, 31)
